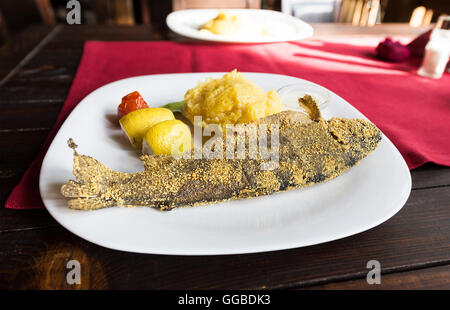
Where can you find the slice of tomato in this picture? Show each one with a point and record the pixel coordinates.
(131, 102)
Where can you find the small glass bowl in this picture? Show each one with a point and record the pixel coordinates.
(289, 95)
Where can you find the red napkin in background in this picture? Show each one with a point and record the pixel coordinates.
(417, 46)
(414, 112)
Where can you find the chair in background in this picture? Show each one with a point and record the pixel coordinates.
(4, 34)
(361, 12)
(421, 16)
(215, 4)
(357, 12)
(46, 11)
(114, 12)
(16, 16)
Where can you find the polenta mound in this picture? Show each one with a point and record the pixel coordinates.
(231, 99)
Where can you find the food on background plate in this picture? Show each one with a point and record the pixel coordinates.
(172, 137)
(312, 150)
(135, 124)
(226, 23)
(223, 23)
(231, 99)
(131, 102)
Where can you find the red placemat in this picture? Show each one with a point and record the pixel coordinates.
(414, 112)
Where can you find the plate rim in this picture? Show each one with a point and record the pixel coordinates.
(259, 249)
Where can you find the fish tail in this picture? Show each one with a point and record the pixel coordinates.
(88, 170)
(92, 182)
(73, 189)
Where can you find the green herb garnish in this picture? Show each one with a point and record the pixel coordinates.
(175, 106)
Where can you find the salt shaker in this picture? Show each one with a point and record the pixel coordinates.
(437, 50)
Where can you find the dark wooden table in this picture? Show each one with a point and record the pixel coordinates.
(413, 247)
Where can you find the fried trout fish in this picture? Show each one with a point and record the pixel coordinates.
(311, 150)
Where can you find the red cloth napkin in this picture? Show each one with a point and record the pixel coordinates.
(414, 112)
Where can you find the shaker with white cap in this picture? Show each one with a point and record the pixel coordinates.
(437, 50)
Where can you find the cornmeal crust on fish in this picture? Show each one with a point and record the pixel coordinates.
(311, 150)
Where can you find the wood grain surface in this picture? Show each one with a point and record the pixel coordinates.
(413, 247)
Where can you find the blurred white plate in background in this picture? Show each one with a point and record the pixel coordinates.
(277, 26)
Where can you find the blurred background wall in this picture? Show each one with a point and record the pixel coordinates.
(15, 16)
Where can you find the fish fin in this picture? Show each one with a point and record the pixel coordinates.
(74, 189)
(72, 145)
(89, 203)
(311, 107)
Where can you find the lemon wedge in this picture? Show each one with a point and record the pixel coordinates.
(171, 137)
(135, 124)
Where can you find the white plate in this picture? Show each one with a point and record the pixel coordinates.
(281, 27)
(361, 198)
